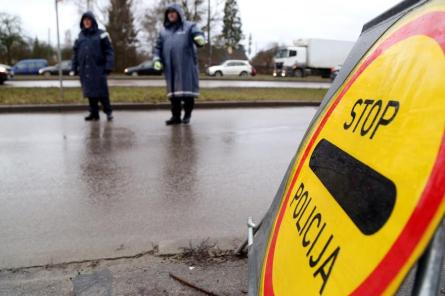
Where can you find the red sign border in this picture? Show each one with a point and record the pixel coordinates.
(431, 25)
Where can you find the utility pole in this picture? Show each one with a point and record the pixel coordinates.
(249, 50)
(209, 35)
(59, 52)
(88, 5)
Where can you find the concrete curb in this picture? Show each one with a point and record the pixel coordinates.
(212, 247)
(159, 106)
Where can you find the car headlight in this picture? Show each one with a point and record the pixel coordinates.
(126, 71)
(40, 71)
(3, 69)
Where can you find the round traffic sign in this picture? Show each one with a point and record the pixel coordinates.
(367, 189)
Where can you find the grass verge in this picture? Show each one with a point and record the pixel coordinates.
(39, 96)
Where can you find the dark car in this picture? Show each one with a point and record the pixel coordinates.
(5, 73)
(54, 70)
(146, 68)
(29, 67)
(334, 72)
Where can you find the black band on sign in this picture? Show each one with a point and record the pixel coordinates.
(366, 196)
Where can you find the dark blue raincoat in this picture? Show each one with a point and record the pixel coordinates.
(93, 58)
(177, 52)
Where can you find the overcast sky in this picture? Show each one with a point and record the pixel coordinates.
(268, 21)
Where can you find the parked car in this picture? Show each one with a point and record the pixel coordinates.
(54, 70)
(5, 73)
(29, 67)
(232, 67)
(146, 68)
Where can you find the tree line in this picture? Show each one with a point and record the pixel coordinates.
(14, 45)
(133, 36)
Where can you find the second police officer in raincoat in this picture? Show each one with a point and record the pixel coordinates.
(176, 53)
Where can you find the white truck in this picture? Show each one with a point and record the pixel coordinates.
(311, 57)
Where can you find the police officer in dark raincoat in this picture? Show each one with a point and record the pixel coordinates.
(93, 60)
(176, 53)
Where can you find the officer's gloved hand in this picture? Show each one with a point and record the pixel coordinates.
(199, 40)
(108, 72)
(157, 65)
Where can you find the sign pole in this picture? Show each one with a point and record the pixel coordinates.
(59, 52)
(209, 37)
(428, 274)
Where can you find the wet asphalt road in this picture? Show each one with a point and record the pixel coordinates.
(72, 190)
(161, 83)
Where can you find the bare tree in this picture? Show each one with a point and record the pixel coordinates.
(214, 18)
(194, 10)
(152, 21)
(86, 5)
(263, 60)
(10, 35)
(98, 7)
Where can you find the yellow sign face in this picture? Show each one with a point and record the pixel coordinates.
(367, 191)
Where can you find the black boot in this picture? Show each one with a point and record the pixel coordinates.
(94, 110)
(189, 103)
(173, 121)
(186, 119)
(176, 111)
(110, 117)
(92, 117)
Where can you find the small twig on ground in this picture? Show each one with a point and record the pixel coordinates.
(190, 285)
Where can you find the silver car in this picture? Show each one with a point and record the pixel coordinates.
(232, 67)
